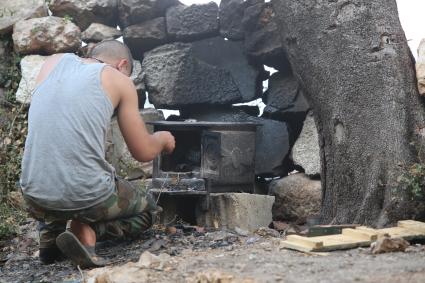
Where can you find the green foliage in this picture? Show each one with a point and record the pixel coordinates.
(68, 18)
(10, 219)
(414, 179)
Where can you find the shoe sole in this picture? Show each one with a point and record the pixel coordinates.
(69, 245)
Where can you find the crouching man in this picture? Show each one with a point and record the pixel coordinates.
(64, 172)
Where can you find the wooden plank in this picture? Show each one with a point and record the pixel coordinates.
(412, 225)
(362, 235)
(312, 243)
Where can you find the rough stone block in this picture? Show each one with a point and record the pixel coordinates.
(97, 32)
(17, 10)
(47, 35)
(262, 38)
(284, 96)
(136, 11)
(306, 150)
(297, 197)
(420, 68)
(145, 36)
(83, 13)
(230, 210)
(30, 67)
(137, 77)
(192, 22)
(231, 15)
(210, 71)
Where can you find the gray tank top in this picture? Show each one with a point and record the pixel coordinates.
(64, 166)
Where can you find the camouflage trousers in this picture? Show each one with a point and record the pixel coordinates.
(125, 214)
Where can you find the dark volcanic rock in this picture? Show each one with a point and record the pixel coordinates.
(192, 22)
(145, 36)
(211, 71)
(86, 12)
(262, 38)
(272, 141)
(136, 11)
(137, 77)
(231, 15)
(284, 97)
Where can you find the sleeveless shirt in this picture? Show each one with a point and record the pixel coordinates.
(64, 166)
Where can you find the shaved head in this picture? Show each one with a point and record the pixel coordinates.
(111, 52)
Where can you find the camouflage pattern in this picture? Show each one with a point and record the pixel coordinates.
(126, 213)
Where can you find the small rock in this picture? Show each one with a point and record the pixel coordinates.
(30, 67)
(267, 232)
(17, 10)
(388, 245)
(97, 32)
(47, 35)
(192, 22)
(214, 276)
(83, 13)
(149, 260)
(241, 232)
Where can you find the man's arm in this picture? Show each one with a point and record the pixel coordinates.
(142, 145)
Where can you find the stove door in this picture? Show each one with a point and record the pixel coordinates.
(211, 155)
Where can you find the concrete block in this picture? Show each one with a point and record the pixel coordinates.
(230, 210)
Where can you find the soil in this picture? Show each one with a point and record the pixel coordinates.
(217, 256)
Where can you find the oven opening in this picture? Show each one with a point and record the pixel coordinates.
(187, 154)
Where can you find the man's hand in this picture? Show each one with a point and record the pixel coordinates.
(168, 141)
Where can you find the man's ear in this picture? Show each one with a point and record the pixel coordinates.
(124, 65)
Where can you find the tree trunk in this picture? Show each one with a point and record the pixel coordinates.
(352, 58)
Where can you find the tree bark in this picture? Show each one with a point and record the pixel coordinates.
(352, 58)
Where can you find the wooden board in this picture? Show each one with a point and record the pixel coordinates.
(352, 238)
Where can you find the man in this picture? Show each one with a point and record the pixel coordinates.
(64, 172)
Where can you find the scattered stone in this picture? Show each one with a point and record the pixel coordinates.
(192, 22)
(136, 11)
(284, 97)
(97, 32)
(47, 35)
(215, 276)
(212, 71)
(149, 260)
(145, 36)
(231, 15)
(306, 151)
(17, 10)
(30, 67)
(262, 38)
(118, 154)
(272, 139)
(230, 210)
(83, 13)
(420, 67)
(389, 245)
(297, 197)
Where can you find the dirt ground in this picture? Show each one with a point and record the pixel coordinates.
(214, 256)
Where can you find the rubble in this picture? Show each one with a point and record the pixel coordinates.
(193, 22)
(46, 36)
(145, 36)
(231, 15)
(84, 13)
(30, 67)
(17, 10)
(97, 32)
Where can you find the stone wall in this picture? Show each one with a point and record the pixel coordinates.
(199, 59)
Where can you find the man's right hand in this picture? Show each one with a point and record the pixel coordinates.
(168, 141)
